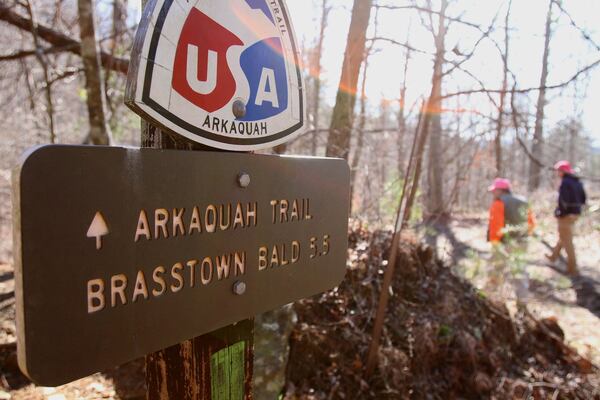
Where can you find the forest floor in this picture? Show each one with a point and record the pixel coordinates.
(573, 301)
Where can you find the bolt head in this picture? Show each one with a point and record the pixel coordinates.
(239, 288)
(244, 180)
(239, 109)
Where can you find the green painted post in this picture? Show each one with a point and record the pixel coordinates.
(215, 366)
(227, 372)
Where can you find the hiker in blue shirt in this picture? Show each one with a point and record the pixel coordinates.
(571, 199)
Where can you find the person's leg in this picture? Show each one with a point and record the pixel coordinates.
(495, 274)
(556, 251)
(520, 275)
(566, 233)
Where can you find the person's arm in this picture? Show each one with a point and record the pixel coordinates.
(563, 194)
(530, 221)
(496, 221)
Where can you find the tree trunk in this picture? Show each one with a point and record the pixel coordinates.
(501, 106)
(99, 133)
(435, 203)
(402, 117)
(420, 141)
(382, 150)
(431, 108)
(362, 120)
(316, 75)
(573, 142)
(338, 143)
(119, 27)
(537, 149)
(45, 70)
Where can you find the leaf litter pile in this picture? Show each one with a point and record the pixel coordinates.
(442, 338)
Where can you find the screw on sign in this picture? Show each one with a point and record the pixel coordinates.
(170, 254)
(244, 180)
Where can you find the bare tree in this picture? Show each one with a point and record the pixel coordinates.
(99, 131)
(119, 28)
(316, 70)
(537, 149)
(314, 58)
(59, 41)
(338, 143)
(432, 107)
(435, 206)
(501, 106)
(402, 115)
(362, 119)
(43, 61)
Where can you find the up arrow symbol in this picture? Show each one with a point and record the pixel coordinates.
(97, 229)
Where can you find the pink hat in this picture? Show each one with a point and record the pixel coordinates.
(500, 184)
(564, 166)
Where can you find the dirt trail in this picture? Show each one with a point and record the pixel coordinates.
(575, 302)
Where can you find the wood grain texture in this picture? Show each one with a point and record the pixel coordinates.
(216, 366)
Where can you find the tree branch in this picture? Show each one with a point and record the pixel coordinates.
(28, 53)
(44, 64)
(430, 12)
(530, 89)
(515, 118)
(466, 57)
(64, 75)
(397, 43)
(58, 39)
(583, 33)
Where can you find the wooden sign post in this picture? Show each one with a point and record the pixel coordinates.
(200, 33)
(218, 365)
(215, 366)
(169, 251)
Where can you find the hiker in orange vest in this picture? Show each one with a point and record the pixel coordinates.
(510, 216)
(571, 199)
(511, 221)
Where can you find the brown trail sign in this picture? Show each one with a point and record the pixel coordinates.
(124, 251)
(121, 253)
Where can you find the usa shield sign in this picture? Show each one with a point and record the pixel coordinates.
(223, 73)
